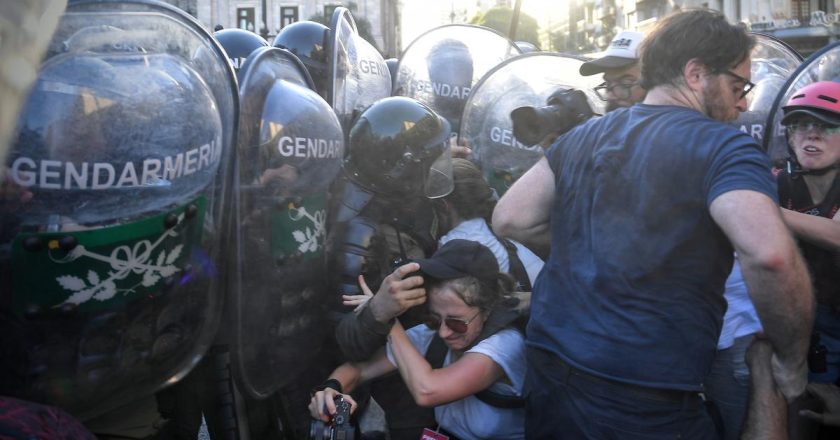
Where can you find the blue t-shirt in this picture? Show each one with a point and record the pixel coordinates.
(633, 288)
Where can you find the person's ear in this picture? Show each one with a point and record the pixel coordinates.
(694, 74)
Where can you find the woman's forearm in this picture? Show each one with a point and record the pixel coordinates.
(413, 366)
(819, 231)
(349, 375)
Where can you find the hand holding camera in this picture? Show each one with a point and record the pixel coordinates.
(325, 401)
(333, 410)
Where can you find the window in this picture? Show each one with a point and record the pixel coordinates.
(801, 9)
(288, 15)
(245, 18)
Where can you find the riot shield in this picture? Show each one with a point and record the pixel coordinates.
(358, 75)
(773, 61)
(290, 149)
(441, 66)
(525, 80)
(112, 213)
(823, 65)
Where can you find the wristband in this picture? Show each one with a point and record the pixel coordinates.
(329, 383)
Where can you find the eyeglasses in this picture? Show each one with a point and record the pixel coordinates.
(454, 324)
(806, 126)
(620, 90)
(748, 85)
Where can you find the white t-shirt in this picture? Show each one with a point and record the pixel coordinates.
(477, 230)
(470, 418)
(740, 319)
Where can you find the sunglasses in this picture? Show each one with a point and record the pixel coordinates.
(806, 126)
(620, 90)
(454, 324)
(748, 85)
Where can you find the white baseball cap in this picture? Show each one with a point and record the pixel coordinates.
(622, 51)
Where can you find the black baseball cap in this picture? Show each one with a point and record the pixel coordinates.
(461, 258)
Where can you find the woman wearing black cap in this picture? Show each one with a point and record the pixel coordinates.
(476, 388)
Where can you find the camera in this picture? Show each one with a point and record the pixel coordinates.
(400, 261)
(566, 108)
(338, 428)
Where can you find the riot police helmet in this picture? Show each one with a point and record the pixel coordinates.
(308, 41)
(238, 44)
(399, 147)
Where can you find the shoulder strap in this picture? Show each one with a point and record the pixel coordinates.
(516, 268)
(436, 354)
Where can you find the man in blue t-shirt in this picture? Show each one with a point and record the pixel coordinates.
(643, 209)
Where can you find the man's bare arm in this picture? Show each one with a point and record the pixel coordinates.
(777, 279)
(523, 212)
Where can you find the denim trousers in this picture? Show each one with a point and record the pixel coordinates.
(728, 386)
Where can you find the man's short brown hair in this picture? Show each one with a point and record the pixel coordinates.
(695, 33)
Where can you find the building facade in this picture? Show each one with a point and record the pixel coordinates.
(806, 25)
(268, 17)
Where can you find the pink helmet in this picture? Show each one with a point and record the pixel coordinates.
(820, 100)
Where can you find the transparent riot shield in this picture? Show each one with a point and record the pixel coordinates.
(823, 65)
(113, 208)
(525, 80)
(773, 61)
(441, 66)
(358, 75)
(290, 150)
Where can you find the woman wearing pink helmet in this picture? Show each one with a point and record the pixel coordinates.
(809, 192)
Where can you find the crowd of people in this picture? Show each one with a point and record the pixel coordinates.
(660, 218)
(652, 276)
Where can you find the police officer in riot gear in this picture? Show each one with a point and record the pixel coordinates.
(238, 44)
(108, 264)
(440, 67)
(398, 160)
(308, 41)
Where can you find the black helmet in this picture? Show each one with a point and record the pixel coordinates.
(398, 146)
(238, 44)
(308, 41)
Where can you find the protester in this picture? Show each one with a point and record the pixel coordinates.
(809, 192)
(626, 314)
(465, 291)
(465, 213)
(622, 73)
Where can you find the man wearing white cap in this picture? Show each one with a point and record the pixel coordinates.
(620, 66)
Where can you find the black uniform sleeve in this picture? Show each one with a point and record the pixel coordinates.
(360, 336)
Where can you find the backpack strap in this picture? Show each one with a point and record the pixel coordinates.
(515, 266)
(437, 353)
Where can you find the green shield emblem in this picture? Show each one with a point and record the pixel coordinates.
(99, 268)
(298, 228)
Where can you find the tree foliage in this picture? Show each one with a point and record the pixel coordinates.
(362, 24)
(499, 18)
